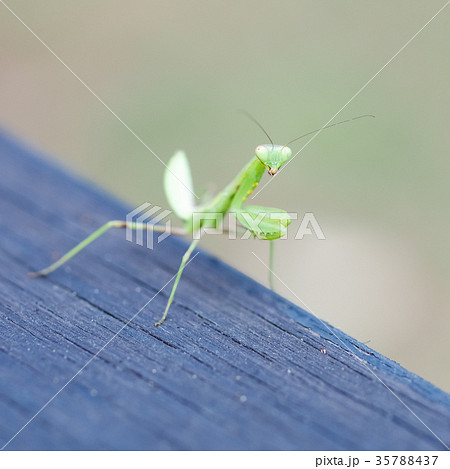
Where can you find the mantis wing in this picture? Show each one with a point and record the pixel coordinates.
(264, 222)
(178, 185)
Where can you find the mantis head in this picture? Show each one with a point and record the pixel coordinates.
(273, 156)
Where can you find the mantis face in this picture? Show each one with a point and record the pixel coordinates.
(273, 156)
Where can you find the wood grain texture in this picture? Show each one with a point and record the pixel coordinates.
(235, 366)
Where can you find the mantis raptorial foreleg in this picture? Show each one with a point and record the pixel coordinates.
(97, 234)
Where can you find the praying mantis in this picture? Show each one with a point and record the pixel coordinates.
(265, 223)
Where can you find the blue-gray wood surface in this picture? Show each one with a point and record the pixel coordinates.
(235, 366)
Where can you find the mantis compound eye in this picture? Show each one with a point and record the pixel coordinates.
(262, 152)
(286, 153)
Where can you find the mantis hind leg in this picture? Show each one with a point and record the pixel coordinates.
(98, 233)
(186, 257)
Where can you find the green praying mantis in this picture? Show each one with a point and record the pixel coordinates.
(265, 223)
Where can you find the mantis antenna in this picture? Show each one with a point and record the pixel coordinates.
(328, 126)
(257, 123)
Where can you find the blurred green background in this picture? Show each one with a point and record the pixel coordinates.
(177, 71)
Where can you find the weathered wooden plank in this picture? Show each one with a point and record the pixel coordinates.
(234, 367)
